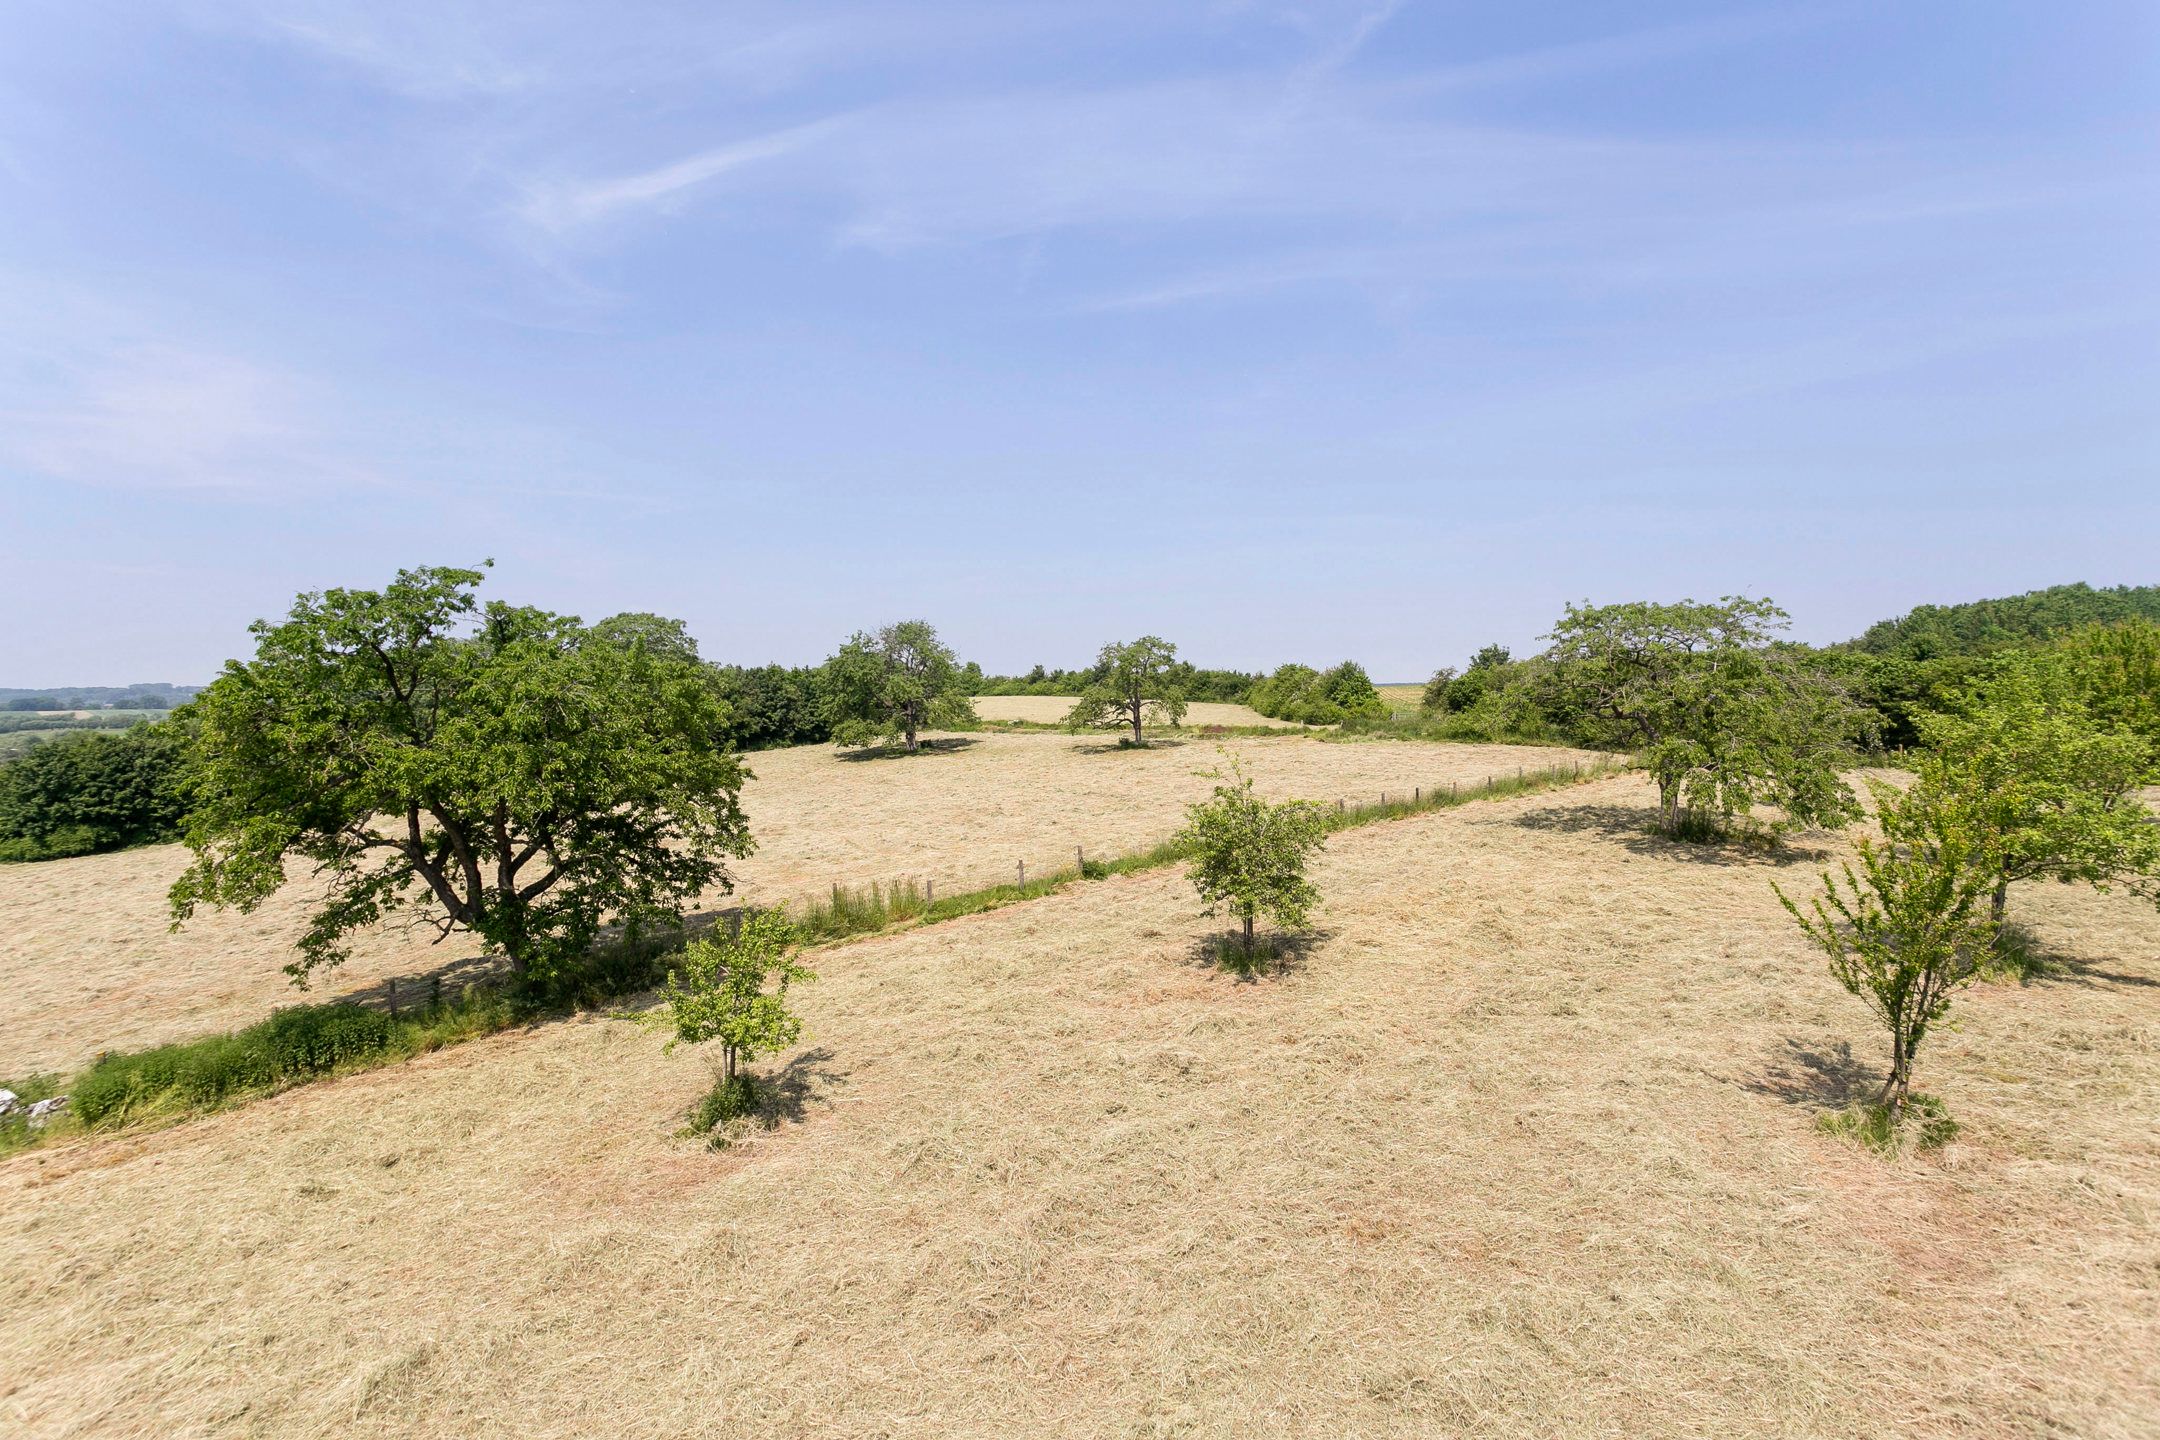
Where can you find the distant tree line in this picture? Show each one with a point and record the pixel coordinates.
(1219, 687)
(1680, 680)
(147, 696)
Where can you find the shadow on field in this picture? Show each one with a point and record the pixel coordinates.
(1634, 827)
(1112, 747)
(942, 745)
(1275, 954)
(788, 1093)
(1827, 1075)
(445, 981)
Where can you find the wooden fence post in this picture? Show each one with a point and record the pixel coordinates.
(393, 997)
(1023, 874)
(929, 892)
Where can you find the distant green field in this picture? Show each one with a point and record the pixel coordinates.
(20, 729)
(1401, 697)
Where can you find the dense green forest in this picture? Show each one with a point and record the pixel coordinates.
(84, 792)
(1984, 627)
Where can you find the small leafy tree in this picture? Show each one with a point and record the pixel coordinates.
(1904, 933)
(1721, 716)
(1433, 700)
(1249, 855)
(505, 772)
(2053, 792)
(1140, 681)
(733, 989)
(893, 685)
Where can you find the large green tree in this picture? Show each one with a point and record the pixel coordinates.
(1721, 716)
(1140, 681)
(2054, 792)
(893, 685)
(499, 770)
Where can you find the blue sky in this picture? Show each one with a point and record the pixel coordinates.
(1287, 331)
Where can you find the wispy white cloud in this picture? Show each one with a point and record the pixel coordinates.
(565, 205)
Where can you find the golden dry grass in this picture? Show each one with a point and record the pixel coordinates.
(1052, 710)
(1521, 1146)
(86, 962)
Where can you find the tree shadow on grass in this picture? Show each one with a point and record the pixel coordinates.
(942, 745)
(788, 1093)
(1826, 1075)
(407, 993)
(1276, 953)
(1635, 828)
(1125, 745)
(2023, 957)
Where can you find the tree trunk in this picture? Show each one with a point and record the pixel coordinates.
(1248, 937)
(1999, 902)
(1669, 808)
(1899, 1085)
(1136, 724)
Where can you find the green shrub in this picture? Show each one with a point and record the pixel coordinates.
(1305, 696)
(304, 1040)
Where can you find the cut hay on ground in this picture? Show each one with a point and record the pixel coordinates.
(1522, 1146)
(86, 962)
(1052, 710)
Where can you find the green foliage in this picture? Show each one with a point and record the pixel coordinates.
(773, 705)
(1306, 696)
(2025, 765)
(1249, 855)
(1139, 683)
(506, 771)
(2114, 671)
(303, 1041)
(83, 793)
(1899, 693)
(893, 685)
(2018, 621)
(733, 989)
(732, 1098)
(1721, 717)
(1905, 933)
(1450, 693)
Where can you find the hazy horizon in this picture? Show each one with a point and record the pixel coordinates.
(1290, 332)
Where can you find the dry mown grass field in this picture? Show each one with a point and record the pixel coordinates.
(1522, 1145)
(86, 962)
(1052, 710)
